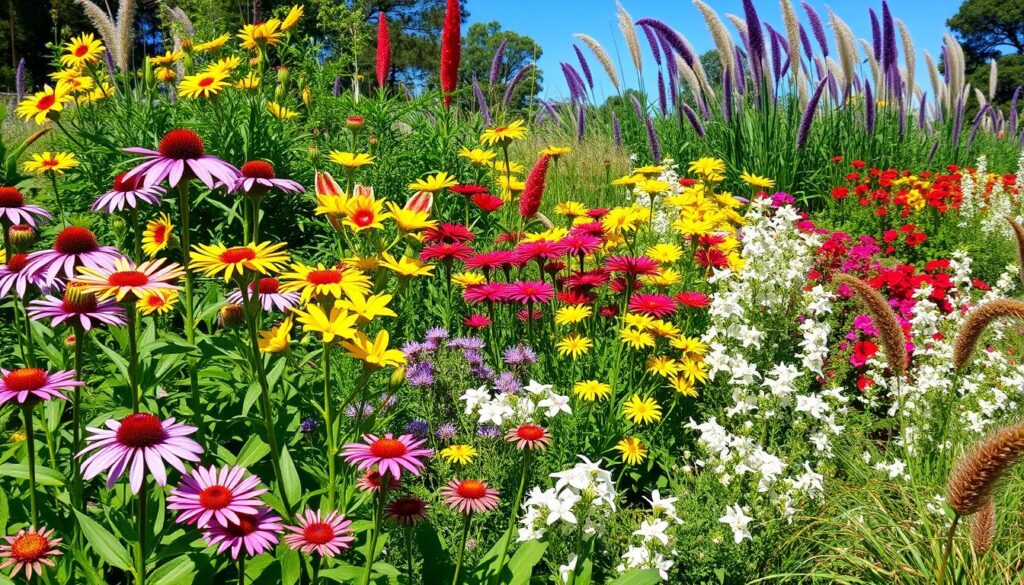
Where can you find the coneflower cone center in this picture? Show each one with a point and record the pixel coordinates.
(257, 169)
(472, 489)
(25, 380)
(17, 262)
(406, 507)
(318, 533)
(388, 448)
(269, 286)
(29, 547)
(182, 144)
(247, 524)
(530, 432)
(141, 430)
(237, 254)
(124, 185)
(11, 197)
(75, 240)
(132, 278)
(215, 497)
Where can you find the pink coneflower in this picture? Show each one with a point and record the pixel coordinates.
(531, 291)
(206, 495)
(406, 511)
(181, 155)
(469, 496)
(389, 454)
(77, 307)
(257, 177)
(140, 441)
(75, 246)
(127, 282)
(539, 250)
(652, 305)
(448, 233)
(30, 550)
(529, 437)
(693, 299)
(476, 321)
(581, 244)
(128, 193)
(487, 202)
(328, 534)
(631, 265)
(271, 299)
(34, 384)
(371, 481)
(587, 281)
(14, 276)
(446, 252)
(14, 211)
(258, 533)
(493, 292)
(488, 261)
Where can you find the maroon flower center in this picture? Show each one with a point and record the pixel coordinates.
(215, 497)
(237, 255)
(318, 533)
(75, 240)
(78, 301)
(11, 197)
(141, 430)
(247, 524)
(269, 286)
(124, 185)
(406, 507)
(388, 448)
(324, 277)
(472, 489)
(25, 380)
(128, 278)
(17, 262)
(46, 102)
(257, 169)
(81, 50)
(182, 144)
(530, 432)
(29, 548)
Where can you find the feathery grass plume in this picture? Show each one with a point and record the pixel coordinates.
(869, 108)
(974, 478)
(876, 32)
(958, 120)
(629, 33)
(977, 321)
(869, 55)
(662, 99)
(690, 77)
(499, 54)
(584, 67)
(922, 110)
(602, 57)
(817, 28)
(616, 132)
(909, 56)
(755, 37)
(1012, 122)
(451, 50)
(836, 71)
(954, 66)
(847, 47)
(113, 33)
(533, 191)
(482, 102)
(889, 54)
(692, 117)
(727, 97)
(808, 117)
(933, 76)
(577, 92)
(792, 22)
(654, 43)
(519, 77)
(672, 37)
(983, 528)
(19, 82)
(581, 123)
(720, 35)
(696, 65)
(980, 97)
(884, 319)
(652, 139)
(993, 77)
(384, 51)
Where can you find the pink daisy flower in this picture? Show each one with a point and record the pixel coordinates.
(128, 193)
(488, 261)
(271, 297)
(476, 321)
(406, 511)
(212, 494)
(328, 534)
(30, 550)
(140, 441)
(34, 384)
(77, 308)
(493, 292)
(586, 281)
(257, 177)
(446, 252)
(448, 233)
(594, 228)
(580, 244)
(531, 291)
(257, 533)
(75, 246)
(539, 250)
(652, 305)
(469, 496)
(15, 276)
(181, 155)
(371, 482)
(631, 265)
(389, 454)
(14, 211)
(693, 300)
(529, 437)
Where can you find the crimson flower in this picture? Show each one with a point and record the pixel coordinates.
(487, 202)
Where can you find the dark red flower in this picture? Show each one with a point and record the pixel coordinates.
(451, 50)
(533, 192)
(383, 50)
(487, 202)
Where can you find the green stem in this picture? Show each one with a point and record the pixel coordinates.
(30, 342)
(140, 560)
(133, 354)
(190, 322)
(30, 445)
(514, 515)
(60, 204)
(241, 569)
(385, 479)
(136, 236)
(462, 548)
(408, 552)
(332, 450)
(947, 549)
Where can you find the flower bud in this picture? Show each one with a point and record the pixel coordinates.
(231, 316)
(279, 93)
(307, 97)
(355, 122)
(149, 76)
(22, 236)
(397, 379)
(118, 225)
(282, 76)
(420, 201)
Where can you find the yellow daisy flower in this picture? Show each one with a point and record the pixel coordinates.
(262, 258)
(318, 282)
(663, 366)
(434, 183)
(571, 209)
(641, 411)
(340, 324)
(465, 279)
(409, 220)
(350, 160)
(632, 450)
(249, 82)
(636, 338)
(664, 253)
(202, 85)
(40, 104)
(280, 112)
(374, 354)
(572, 314)
(512, 167)
(504, 135)
(367, 308)
(157, 301)
(85, 49)
(591, 390)
(574, 345)
(682, 386)
(278, 339)
(649, 170)
(211, 44)
(157, 235)
(478, 156)
(458, 454)
(364, 212)
(55, 162)
(405, 266)
(694, 371)
(165, 74)
(167, 58)
(757, 181)
(261, 34)
(225, 66)
(708, 168)
(293, 17)
(555, 152)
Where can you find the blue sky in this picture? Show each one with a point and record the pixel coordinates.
(552, 24)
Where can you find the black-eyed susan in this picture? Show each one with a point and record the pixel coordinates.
(315, 282)
(641, 410)
(211, 45)
(504, 135)
(51, 162)
(364, 212)
(350, 160)
(632, 449)
(215, 259)
(756, 181)
(405, 266)
(572, 314)
(636, 338)
(280, 112)
(374, 354)
(44, 103)
(337, 324)
(125, 280)
(459, 454)
(434, 183)
(477, 156)
(167, 58)
(367, 308)
(225, 66)
(81, 51)
(202, 85)
(157, 302)
(591, 390)
(158, 235)
(574, 345)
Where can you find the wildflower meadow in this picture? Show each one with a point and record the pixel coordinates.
(274, 315)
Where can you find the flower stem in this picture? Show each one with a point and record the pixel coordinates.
(190, 323)
(385, 479)
(140, 560)
(947, 549)
(30, 445)
(462, 548)
(332, 450)
(136, 236)
(241, 569)
(60, 204)
(76, 421)
(133, 354)
(513, 515)
(408, 551)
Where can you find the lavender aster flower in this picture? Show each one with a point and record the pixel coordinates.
(519, 356)
(507, 383)
(482, 372)
(308, 426)
(436, 334)
(418, 428)
(466, 343)
(420, 375)
(446, 431)
(488, 432)
(473, 357)
(364, 411)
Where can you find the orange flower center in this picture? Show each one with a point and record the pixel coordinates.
(81, 50)
(29, 548)
(237, 255)
(128, 278)
(324, 277)
(11, 197)
(269, 286)
(257, 169)
(388, 448)
(318, 533)
(25, 380)
(140, 430)
(472, 489)
(75, 240)
(215, 497)
(530, 432)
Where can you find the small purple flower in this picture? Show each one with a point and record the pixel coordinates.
(308, 426)
(466, 343)
(507, 383)
(365, 411)
(520, 356)
(482, 372)
(435, 335)
(488, 432)
(420, 374)
(473, 357)
(418, 428)
(446, 432)
(388, 401)
(128, 193)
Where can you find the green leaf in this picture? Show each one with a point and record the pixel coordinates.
(104, 543)
(437, 563)
(117, 359)
(44, 475)
(179, 571)
(343, 574)
(251, 395)
(526, 558)
(638, 577)
(290, 477)
(291, 567)
(253, 451)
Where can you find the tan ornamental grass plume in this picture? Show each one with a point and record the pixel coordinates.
(976, 475)
(1018, 232)
(882, 315)
(602, 58)
(739, 23)
(938, 85)
(789, 18)
(629, 32)
(876, 69)
(993, 78)
(955, 64)
(909, 56)
(983, 528)
(846, 44)
(690, 77)
(719, 34)
(978, 321)
(119, 35)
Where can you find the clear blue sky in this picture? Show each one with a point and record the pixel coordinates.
(552, 23)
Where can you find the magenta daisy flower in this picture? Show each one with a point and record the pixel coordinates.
(631, 265)
(587, 281)
(448, 233)
(271, 297)
(328, 534)
(181, 155)
(389, 454)
(594, 228)
(652, 305)
(406, 511)
(580, 244)
(469, 496)
(29, 550)
(128, 193)
(488, 261)
(372, 480)
(531, 291)
(694, 300)
(211, 494)
(75, 246)
(529, 437)
(34, 384)
(257, 533)
(492, 292)
(476, 321)
(77, 307)
(446, 252)
(13, 209)
(140, 441)
(257, 177)
(539, 250)
(15, 276)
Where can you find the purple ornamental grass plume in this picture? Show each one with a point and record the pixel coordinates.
(512, 85)
(542, 114)
(741, 78)
(499, 54)
(584, 67)
(577, 91)
(670, 64)
(876, 36)
(637, 107)
(549, 107)
(958, 121)
(727, 97)
(1020, 141)
(692, 117)
(661, 94)
(945, 59)
(931, 154)
(889, 54)
(833, 86)
(481, 102)
(921, 110)
(808, 117)
(806, 42)
(817, 28)
(108, 60)
(776, 50)
(869, 108)
(1013, 110)
(976, 124)
(336, 88)
(652, 138)
(654, 42)
(673, 39)
(581, 123)
(903, 118)
(756, 37)
(616, 132)
(19, 81)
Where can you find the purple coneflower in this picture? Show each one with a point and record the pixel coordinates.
(14, 276)
(30, 550)
(140, 441)
(372, 480)
(257, 177)
(469, 496)
(76, 307)
(128, 193)
(327, 534)
(34, 384)
(257, 533)
(406, 511)
(181, 155)
(206, 495)
(529, 437)
(271, 297)
(13, 209)
(389, 454)
(75, 246)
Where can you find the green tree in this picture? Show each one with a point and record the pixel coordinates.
(988, 27)
(481, 42)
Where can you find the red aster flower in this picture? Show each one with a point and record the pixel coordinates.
(572, 297)
(508, 238)
(476, 321)
(525, 315)
(631, 265)
(619, 285)
(448, 233)
(652, 305)
(487, 202)
(711, 258)
(539, 250)
(531, 291)
(609, 311)
(468, 189)
(586, 281)
(693, 299)
(446, 252)
(597, 213)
